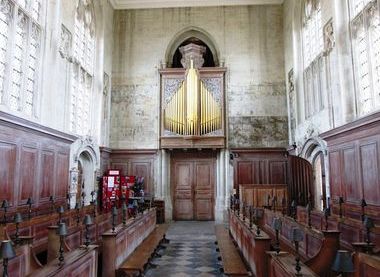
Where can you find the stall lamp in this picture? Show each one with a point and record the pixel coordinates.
(6, 253)
(343, 262)
(277, 225)
(87, 221)
(17, 221)
(29, 203)
(296, 237)
(62, 232)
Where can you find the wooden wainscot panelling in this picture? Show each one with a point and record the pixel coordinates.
(257, 195)
(354, 160)
(32, 159)
(259, 166)
(7, 171)
(28, 177)
(62, 175)
(135, 162)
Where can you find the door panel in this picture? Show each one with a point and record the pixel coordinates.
(183, 193)
(204, 186)
(193, 189)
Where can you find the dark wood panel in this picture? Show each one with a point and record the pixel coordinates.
(204, 186)
(28, 174)
(259, 166)
(352, 186)
(277, 172)
(7, 171)
(335, 174)
(369, 156)
(62, 178)
(47, 175)
(143, 169)
(244, 171)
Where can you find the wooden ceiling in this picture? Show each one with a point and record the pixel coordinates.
(149, 4)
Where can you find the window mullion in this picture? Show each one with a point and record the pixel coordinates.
(367, 25)
(9, 55)
(24, 69)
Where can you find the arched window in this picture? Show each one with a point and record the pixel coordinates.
(313, 60)
(83, 68)
(365, 29)
(20, 40)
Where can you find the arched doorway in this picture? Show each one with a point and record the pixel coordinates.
(315, 151)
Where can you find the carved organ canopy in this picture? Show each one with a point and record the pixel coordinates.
(192, 102)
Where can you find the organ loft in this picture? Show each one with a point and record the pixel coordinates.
(190, 138)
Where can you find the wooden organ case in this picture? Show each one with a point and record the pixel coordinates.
(192, 103)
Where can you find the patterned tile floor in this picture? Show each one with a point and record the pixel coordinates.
(191, 251)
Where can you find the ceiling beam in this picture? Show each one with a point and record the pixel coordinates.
(151, 4)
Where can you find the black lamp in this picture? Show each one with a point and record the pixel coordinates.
(258, 214)
(250, 216)
(283, 204)
(83, 195)
(29, 202)
(296, 236)
(6, 253)
(17, 221)
(341, 202)
(68, 198)
(363, 204)
(274, 202)
(327, 213)
(5, 206)
(124, 210)
(77, 207)
(343, 262)
(114, 214)
(277, 225)
(92, 196)
(293, 206)
(87, 221)
(368, 224)
(62, 232)
(60, 211)
(52, 201)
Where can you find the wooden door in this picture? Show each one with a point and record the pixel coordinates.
(183, 193)
(193, 189)
(204, 190)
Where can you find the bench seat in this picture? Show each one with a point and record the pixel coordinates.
(231, 259)
(138, 261)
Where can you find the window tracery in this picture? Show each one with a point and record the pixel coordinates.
(83, 68)
(20, 43)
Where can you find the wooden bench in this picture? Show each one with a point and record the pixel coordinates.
(232, 262)
(140, 259)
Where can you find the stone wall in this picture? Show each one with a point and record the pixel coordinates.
(248, 39)
(340, 96)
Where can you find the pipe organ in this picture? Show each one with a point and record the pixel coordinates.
(192, 107)
(193, 110)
